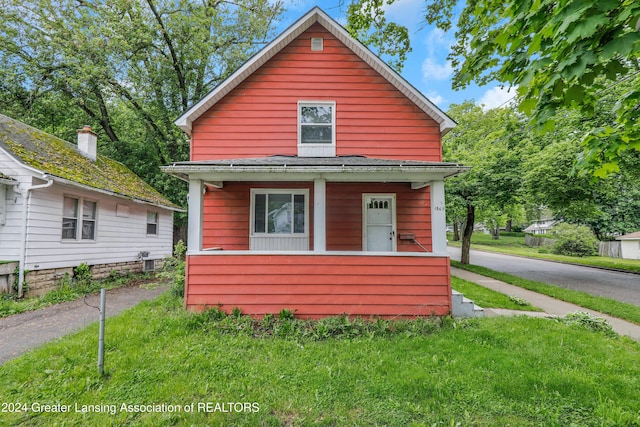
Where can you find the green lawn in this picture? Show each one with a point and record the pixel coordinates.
(487, 298)
(513, 244)
(497, 371)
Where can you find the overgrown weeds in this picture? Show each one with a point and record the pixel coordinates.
(286, 325)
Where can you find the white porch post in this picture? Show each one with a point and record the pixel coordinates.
(194, 235)
(438, 218)
(319, 215)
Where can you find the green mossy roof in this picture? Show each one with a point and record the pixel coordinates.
(62, 159)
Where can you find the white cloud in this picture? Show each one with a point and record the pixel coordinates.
(405, 12)
(431, 70)
(436, 98)
(497, 97)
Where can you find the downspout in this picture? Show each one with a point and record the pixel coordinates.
(26, 196)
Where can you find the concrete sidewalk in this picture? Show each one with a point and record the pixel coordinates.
(25, 331)
(551, 306)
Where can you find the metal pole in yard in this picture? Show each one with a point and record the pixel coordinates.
(103, 300)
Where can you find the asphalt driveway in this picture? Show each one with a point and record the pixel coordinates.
(23, 332)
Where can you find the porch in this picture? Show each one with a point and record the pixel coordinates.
(315, 285)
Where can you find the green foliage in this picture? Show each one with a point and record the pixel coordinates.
(126, 68)
(367, 23)
(82, 273)
(566, 54)
(487, 298)
(574, 240)
(69, 289)
(492, 143)
(479, 372)
(590, 322)
(519, 301)
(174, 269)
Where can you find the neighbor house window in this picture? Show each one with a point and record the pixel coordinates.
(279, 212)
(78, 214)
(152, 223)
(316, 129)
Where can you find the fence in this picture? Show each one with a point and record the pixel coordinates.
(608, 249)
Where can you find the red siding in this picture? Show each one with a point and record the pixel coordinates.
(320, 285)
(227, 212)
(344, 215)
(259, 117)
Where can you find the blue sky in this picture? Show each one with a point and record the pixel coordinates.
(426, 68)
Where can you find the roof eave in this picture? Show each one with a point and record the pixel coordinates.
(113, 193)
(314, 15)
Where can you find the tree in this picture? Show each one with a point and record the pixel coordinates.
(128, 68)
(488, 142)
(558, 54)
(367, 23)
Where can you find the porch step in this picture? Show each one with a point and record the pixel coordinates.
(464, 307)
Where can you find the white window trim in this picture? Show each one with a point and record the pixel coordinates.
(294, 191)
(317, 150)
(157, 223)
(279, 242)
(79, 220)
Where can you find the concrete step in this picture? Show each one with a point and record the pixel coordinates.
(464, 307)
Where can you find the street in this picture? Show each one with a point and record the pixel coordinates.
(611, 284)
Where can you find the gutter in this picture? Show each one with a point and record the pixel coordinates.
(26, 198)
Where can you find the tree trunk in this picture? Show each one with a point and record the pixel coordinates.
(456, 231)
(509, 226)
(466, 234)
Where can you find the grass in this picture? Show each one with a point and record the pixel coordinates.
(487, 298)
(513, 244)
(497, 371)
(626, 311)
(69, 290)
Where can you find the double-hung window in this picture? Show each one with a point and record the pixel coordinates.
(279, 219)
(79, 218)
(316, 129)
(152, 223)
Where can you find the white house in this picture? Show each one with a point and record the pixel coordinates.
(630, 245)
(62, 205)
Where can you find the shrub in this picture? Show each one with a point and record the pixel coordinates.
(82, 274)
(174, 269)
(589, 321)
(574, 240)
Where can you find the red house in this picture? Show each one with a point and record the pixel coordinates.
(316, 184)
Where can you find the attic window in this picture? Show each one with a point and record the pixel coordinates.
(317, 44)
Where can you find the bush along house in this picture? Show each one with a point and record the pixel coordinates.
(63, 205)
(316, 184)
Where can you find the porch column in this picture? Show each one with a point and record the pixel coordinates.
(438, 218)
(194, 236)
(319, 215)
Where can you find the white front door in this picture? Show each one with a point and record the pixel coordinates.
(379, 222)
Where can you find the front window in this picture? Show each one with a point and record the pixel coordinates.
(78, 214)
(316, 129)
(279, 212)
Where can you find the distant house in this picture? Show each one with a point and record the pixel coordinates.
(316, 183)
(62, 205)
(541, 226)
(630, 245)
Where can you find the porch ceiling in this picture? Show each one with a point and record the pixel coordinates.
(293, 168)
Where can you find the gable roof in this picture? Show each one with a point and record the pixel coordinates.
(315, 15)
(63, 162)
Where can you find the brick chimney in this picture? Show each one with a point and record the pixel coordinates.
(87, 142)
